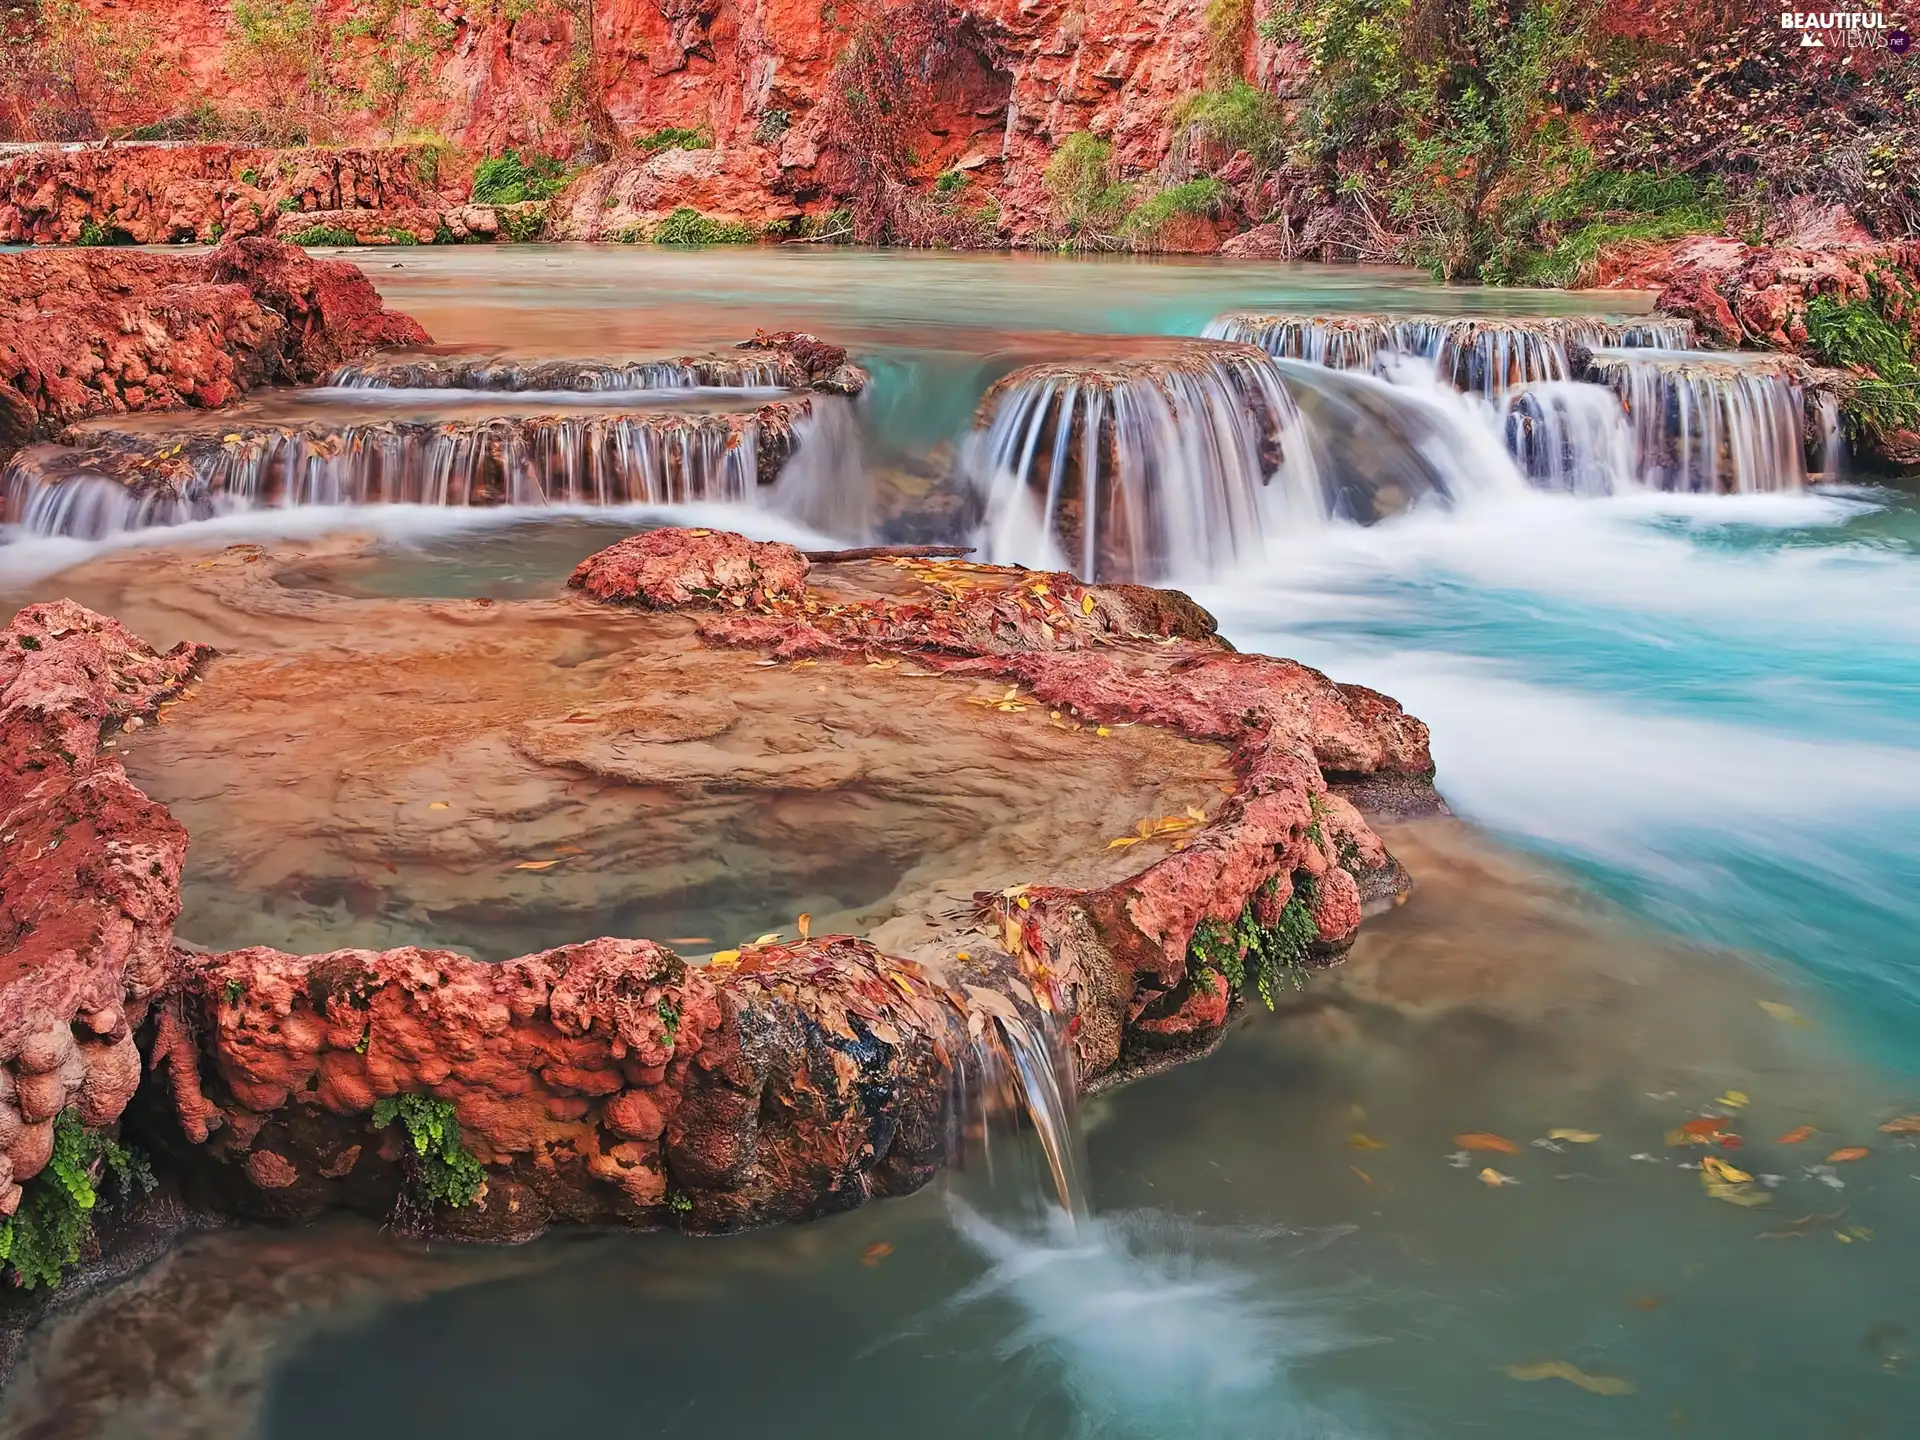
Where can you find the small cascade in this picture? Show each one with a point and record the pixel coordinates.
(1017, 1115)
(827, 486)
(125, 480)
(1572, 437)
(1828, 442)
(1479, 355)
(745, 370)
(1140, 468)
(1708, 423)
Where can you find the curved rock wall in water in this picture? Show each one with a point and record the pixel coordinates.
(609, 1081)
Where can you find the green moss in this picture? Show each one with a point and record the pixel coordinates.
(29, 642)
(669, 1014)
(398, 236)
(50, 1228)
(444, 1171)
(1238, 116)
(1860, 337)
(949, 182)
(687, 226)
(323, 235)
(672, 137)
(772, 125)
(250, 176)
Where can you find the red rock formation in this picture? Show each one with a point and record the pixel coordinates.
(160, 194)
(608, 1081)
(100, 332)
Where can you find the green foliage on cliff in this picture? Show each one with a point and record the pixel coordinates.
(687, 226)
(46, 1234)
(1558, 240)
(323, 235)
(508, 179)
(1238, 116)
(1268, 955)
(1860, 337)
(444, 1171)
(674, 138)
(1087, 200)
(1204, 196)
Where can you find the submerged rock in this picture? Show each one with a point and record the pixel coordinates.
(609, 1080)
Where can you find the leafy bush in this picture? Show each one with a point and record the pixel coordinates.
(1856, 336)
(1239, 116)
(46, 1234)
(397, 236)
(323, 235)
(1268, 955)
(1087, 199)
(1205, 196)
(524, 226)
(687, 226)
(948, 182)
(772, 125)
(674, 138)
(1615, 206)
(507, 179)
(443, 1171)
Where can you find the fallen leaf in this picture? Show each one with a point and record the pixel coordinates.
(1733, 1100)
(1850, 1152)
(568, 850)
(536, 864)
(1736, 1194)
(1492, 1177)
(439, 805)
(1902, 1125)
(1706, 1125)
(1577, 1137)
(1573, 1375)
(1720, 1170)
(1365, 1178)
(1086, 604)
(1797, 1134)
(1358, 1141)
(769, 938)
(875, 1253)
(1785, 1013)
(1481, 1140)
(723, 959)
(1651, 1302)
(690, 940)
(803, 925)
(1102, 731)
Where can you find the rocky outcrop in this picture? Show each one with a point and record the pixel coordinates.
(162, 194)
(101, 332)
(610, 1081)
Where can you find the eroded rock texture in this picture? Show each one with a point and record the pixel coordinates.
(609, 1081)
(99, 332)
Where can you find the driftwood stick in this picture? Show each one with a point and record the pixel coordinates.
(887, 552)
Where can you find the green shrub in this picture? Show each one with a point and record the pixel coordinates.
(1205, 196)
(323, 235)
(397, 236)
(507, 179)
(687, 226)
(773, 124)
(444, 1171)
(1856, 336)
(93, 233)
(1268, 955)
(1239, 116)
(250, 176)
(46, 1234)
(674, 138)
(523, 227)
(836, 227)
(1086, 197)
(947, 182)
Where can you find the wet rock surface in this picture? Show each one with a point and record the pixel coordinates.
(101, 332)
(608, 1080)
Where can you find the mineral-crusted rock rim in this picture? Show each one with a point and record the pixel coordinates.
(608, 1081)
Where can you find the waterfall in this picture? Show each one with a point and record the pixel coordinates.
(827, 486)
(545, 460)
(1479, 355)
(1140, 468)
(1016, 1107)
(1829, 440)
(1711, 423)
(1572, 437)
(744, 371)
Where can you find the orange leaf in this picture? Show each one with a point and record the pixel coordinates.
(875, 1253)
(1851, 1152)
(536, 864)
(1903, 1125)
(1705, 1125)
(1795, 1135)
(1481, 1140)
(803, 925)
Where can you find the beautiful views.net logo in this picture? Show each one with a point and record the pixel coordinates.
(1846, 30)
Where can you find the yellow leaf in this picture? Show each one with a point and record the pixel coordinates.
(1086, 604)
(1721, 1170)
(768, 938)
(961, 955)
(1733, 1100)
(1358, 1141)
(1576, 1137)
(439, 805)
(1365, 1179)
(1785, 1013)
(724, 959)
(1573, 1375)
(803, 925)
(1494, 1178)
(536, 864)
(1102, 731)
(1123, 842)
(1736, 1194)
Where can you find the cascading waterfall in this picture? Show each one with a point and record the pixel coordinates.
(1709, 423)
(1017, 1117)
(827, 485)
(1477, 355)
(545, 460)
(1572, 437)
(1140, 468)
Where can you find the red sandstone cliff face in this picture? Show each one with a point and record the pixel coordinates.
(101, 332)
